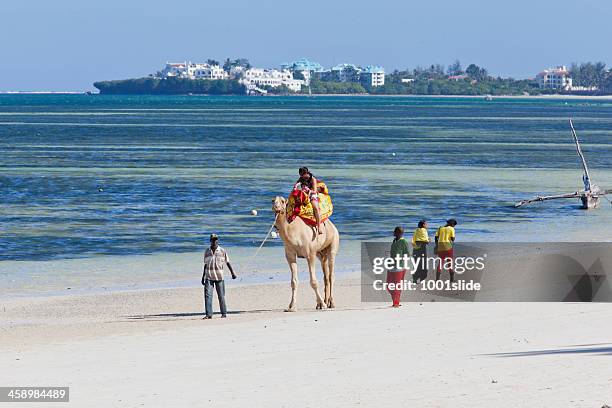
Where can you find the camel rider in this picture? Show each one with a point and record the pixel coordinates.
(308, 184)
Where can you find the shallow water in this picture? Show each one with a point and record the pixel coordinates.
(172, 169)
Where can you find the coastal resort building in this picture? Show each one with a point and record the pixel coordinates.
(555, 78)
(206, 71)
(191, 70)
(372, 76)
(174, 69)
(261, 78)
(303, 66)
(344, 73)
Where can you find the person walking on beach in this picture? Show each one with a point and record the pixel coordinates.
(445, 237)
(420, 239)
(215, 259)
(399, 246)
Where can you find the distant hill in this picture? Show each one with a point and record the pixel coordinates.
(170, 86)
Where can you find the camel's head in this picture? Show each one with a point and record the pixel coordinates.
(279, 205)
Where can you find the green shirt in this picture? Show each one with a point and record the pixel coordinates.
(399, 247)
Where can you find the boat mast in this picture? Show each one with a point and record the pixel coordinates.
(590, 195)
(586, 177)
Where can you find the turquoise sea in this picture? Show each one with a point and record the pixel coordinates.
(83, 176)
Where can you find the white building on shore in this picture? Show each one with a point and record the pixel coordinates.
(271, 77)
(206, 71)
(304, 67)
(372, 76)
(555, 78)
(257, 79)
(344, 73)
(174, 69)
(193, 70)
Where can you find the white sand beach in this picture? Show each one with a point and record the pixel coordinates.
(120, 322)
(152, 348)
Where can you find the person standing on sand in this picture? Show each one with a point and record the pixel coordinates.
(215, 259)
(445, 237)
(399, 247)
(420, 239)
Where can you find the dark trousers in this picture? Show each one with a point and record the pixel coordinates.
(420, 254)
(208, 296)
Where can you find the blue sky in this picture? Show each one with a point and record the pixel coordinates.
(68, 44)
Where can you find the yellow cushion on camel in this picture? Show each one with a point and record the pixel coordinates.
(299, 205)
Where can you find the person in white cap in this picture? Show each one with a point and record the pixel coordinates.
(215, 259)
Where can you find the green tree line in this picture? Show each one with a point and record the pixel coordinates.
(170, 86)
(493, 86)
(454, 80)
(329, 87)
(592, 74)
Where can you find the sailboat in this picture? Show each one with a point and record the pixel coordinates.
(589, 197)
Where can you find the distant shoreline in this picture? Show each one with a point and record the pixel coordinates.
(552, 96)
(43, 92)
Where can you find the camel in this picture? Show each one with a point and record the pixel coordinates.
(302, 241)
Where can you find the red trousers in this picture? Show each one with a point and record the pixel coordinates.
(395, 277)
(444, 255)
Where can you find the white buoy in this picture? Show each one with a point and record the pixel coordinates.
(253, 212)
(273, 234)
(393, 154)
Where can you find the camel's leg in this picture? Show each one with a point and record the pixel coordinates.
(324, 257)
(332, 276)
(331, 259)
(314, 284)
(292, 261)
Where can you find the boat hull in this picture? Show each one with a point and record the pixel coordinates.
(589, 202)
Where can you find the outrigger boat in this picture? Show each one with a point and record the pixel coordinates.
(592, 192)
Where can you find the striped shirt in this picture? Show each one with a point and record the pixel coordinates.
(215, 263)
